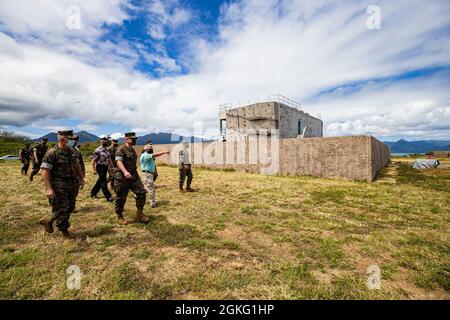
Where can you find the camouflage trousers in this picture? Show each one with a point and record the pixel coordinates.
(122, 186)
(63, 204)
(111, 178)
(149, 183)
(36, 168)
(25, 166)
(185, 173)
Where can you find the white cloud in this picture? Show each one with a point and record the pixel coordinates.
(116, 135)
(297, 48)
(165, 16)
(87, 127)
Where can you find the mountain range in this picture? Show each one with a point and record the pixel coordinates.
(423, 146)
(156, 138)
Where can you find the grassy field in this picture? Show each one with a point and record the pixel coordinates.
(239, 235)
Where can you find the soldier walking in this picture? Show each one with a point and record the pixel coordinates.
(113, 149)
(61, 172)
(25, 158)
(101, 162)
(185, 168)
(37, 155)
(74, 144)
(127, 178)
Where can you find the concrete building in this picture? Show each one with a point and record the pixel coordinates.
(277, 137)
(278, 113)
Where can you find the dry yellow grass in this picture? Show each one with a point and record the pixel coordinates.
(240, 235)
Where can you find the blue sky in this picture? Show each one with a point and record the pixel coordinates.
(111, 66)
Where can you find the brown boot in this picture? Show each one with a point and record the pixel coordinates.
(188, 189)
(47, 224)
(120, 219)
(181, 188)
(140, 217)
(67, 235)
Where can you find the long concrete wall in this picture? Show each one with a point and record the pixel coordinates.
(380, 156)
(355, 157)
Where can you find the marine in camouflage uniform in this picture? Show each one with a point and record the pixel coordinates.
(62, 175)
(38, 154)
(25, 158)
(81, 161)
(127, 178)
(112, 149)
(185, 168)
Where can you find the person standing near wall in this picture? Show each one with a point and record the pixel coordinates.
(185, 168)
(101, 161)
(148, 168)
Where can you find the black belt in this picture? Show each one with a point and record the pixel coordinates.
(147, 171)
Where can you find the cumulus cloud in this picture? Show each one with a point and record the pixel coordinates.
(319, 53)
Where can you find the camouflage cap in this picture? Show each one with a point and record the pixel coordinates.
(67, 133)
(131, 135)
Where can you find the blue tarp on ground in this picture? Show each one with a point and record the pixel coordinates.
(425, 163)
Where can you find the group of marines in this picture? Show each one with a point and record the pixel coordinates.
(63, 172)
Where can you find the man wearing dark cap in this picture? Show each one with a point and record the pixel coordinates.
(113, 149)
(37, 155)
(61, 173)
(101, 162)
(25, 157)
(127, 178)
(75, 144)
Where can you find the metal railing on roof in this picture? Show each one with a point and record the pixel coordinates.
(272, 98)
(284, 100)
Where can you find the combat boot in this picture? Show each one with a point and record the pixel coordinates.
(67, 235)
(47, 224)
(120, 219)
(188, 188)
(140, 217)
(181, 187)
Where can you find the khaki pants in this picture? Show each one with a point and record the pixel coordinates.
(149, 184)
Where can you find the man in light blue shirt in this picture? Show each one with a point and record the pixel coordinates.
(148, 168)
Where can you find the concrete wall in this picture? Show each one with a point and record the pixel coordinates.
(289, 117)
(380, 156)
(441, 154)
(255, 116)
(354, 158)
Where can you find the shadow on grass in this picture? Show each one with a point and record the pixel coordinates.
(97, 231)
(185, 235)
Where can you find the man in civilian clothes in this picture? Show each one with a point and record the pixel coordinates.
(101, 162)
